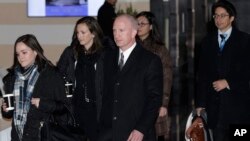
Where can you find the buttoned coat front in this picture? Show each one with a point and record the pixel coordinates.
(132, 96)
(229, 106)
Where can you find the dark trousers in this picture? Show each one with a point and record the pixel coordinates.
(88, 121)
(221, 133)
(105, 135)
(160, 138)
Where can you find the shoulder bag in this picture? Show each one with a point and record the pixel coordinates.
(52, 130)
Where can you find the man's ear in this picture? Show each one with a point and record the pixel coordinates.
(134, 33)
(232, 18)
(35, 53)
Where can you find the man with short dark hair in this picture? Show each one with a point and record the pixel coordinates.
(224, 73)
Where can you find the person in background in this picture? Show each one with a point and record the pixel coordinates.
(149, 37)
(132, 87)
(106, 16)
(81, 63)
(37, 87)
(223, 74)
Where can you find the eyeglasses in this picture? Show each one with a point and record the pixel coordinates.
(142, 24)
(222, 16)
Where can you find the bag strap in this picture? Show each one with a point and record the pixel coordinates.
(71, 114)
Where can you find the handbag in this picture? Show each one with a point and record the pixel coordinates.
(196, 130)
(52, 130)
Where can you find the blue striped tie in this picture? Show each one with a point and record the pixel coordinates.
(223, 41)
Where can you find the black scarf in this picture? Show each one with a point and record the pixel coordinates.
(85, 76)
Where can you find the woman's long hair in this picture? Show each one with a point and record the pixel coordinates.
(95, 29)
(31, 41)
(154, 33)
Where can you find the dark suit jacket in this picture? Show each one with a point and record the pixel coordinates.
(132, 96)
(233, 64)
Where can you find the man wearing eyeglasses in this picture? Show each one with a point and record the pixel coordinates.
(224, 74)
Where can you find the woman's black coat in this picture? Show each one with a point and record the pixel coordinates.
(50, 89)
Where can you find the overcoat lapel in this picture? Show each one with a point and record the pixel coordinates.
(231, 41)
(215, 43)
(132, 59)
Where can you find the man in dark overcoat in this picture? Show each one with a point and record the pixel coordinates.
(133, 87)
(224, 74)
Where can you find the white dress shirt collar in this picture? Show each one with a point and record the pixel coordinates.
(126, 53)
(228, 33)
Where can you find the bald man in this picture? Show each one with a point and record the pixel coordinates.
(133, 87)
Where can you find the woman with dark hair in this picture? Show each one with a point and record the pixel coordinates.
(150, 39)
(81, 64)
(37, 88)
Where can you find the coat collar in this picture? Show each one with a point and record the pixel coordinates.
(231, 39)
(132, 58)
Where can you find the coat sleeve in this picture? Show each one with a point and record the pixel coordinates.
(154, 89)
(202, 79)
(63, 60)
(55, 94)
(239, 77)
(167, 75)
(66, 63)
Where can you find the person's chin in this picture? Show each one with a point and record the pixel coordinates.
(82, 43)
(25, 66)
(119, 45)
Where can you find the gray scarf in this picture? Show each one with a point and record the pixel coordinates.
(23, 95)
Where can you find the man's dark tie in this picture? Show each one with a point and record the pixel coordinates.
(223, 41)
(121, 61)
